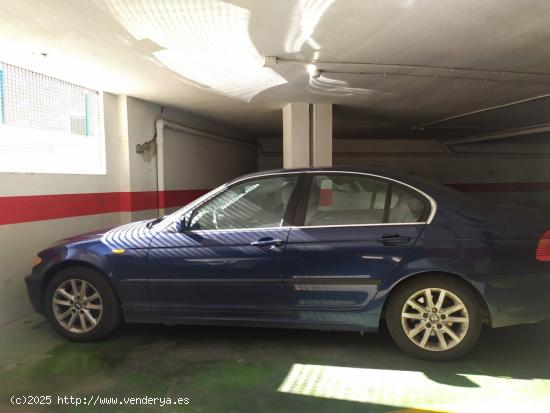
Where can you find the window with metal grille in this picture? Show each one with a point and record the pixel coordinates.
(49, 125)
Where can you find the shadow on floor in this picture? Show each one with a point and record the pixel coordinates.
(228, 369)
(521, 352)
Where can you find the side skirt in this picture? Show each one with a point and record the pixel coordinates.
(363, 323)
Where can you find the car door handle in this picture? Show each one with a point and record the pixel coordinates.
(389, 239)
(271, 243)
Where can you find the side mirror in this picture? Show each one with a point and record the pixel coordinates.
(184, 224)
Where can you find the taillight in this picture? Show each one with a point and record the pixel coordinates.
(543, 249)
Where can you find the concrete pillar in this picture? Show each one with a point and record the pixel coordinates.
(321, 136)
(307, 135)
(296, 135)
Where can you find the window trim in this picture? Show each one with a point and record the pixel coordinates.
(302, 196)
(288, 214)
(425, 213)
(300, 213)
(387, 203)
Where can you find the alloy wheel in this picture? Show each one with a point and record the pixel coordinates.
(77, 306)
(435, 319)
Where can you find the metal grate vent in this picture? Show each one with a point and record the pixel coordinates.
(33, 100)
(48, 125)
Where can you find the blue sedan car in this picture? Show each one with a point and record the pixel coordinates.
(331, 249)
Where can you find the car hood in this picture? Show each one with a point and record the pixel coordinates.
(87, 236)
(132, 235)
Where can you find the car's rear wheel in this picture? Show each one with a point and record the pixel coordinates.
(434, 317)
(81, 304)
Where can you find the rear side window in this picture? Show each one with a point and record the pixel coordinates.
(406, 206)
(346, 200)
(358, 200)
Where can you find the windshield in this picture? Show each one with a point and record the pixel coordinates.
(163, 222)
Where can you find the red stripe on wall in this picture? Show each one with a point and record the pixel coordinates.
(182, 197)
(16, 209)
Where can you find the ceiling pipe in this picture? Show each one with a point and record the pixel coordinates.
(442, 72)
(475, 112)
(436, 77)
(270, 61)
(159, 124)
(509, 133)
(162, 124)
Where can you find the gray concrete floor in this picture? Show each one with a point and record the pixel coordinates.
(223, 369)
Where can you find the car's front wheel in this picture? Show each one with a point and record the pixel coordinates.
(434, 317)
(81, 304)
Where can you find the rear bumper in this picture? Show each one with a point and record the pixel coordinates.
(518, 300)
(511, 317)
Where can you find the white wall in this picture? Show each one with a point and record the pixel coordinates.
(495, 162)
(33, 184)
(21, 241)
(192, 163)
(197, 162)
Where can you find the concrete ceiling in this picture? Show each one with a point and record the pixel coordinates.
(428, 60)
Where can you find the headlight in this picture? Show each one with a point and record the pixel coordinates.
(37, 260)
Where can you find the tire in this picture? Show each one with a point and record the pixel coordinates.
(404, 319)
(98, 303)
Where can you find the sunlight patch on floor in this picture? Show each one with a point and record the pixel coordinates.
(415, 390)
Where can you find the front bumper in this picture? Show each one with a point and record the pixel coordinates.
(34, 283)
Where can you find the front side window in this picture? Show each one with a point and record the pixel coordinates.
(358, 200)
(258, 203)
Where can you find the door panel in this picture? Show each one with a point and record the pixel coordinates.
(348, 238)
(341, 267)
(217, 269)
(228, 254)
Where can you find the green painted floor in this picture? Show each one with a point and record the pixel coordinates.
(222, 369)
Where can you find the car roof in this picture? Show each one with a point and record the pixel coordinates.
(429, 187)
(369, 169)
